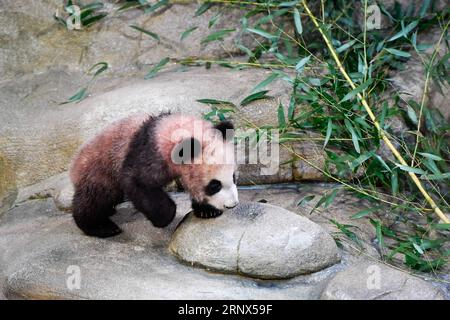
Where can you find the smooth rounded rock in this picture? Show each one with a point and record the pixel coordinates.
(256, 240)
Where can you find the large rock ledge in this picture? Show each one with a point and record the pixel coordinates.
(134, 265)
(257, 240)
(41, 248)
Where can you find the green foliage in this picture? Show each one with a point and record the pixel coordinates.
(88, 13)
(152, 73)
(147, 32)
(284, 39)
(94, 72)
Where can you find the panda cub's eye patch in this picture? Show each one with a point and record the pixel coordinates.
(213, 187)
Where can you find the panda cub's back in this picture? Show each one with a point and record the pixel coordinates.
(106, 151)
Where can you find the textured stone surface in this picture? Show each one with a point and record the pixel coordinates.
(135, 265)
(38, 243)
(375, 281)
(294, 197)
(32, 41)
(257, 240)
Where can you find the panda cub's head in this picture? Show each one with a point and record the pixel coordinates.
(204, 161)
(219, 192)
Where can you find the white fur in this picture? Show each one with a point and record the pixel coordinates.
(227, 197)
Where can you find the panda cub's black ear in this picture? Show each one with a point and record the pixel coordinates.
(185, 151)
(226, 128)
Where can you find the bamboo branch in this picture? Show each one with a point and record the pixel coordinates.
(369, 111)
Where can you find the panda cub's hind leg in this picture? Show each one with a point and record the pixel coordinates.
(153, 202)
(92, 206)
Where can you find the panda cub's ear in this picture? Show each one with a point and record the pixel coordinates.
(226, 128)
(185, 151)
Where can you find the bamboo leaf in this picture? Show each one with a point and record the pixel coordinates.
(77, 97)
(441, 176)
(288, 3)
(357, 90)
(203, 8)
(418, 248)
(424, 8)
(262, 33)
(215, 102)
(431, 156)
(305, 200)
(298, 21)
(281, 116)
(213, 20)
(345, 46)
(361, 159)
(187, 32)
(398, 52)
(441, 226)
(156, 6)
(405, 31)
(383, 163)
(411, 114)
(255, 96)
(291, 108)
(265, 82)
(326, 200)
(410, 169)
(93, 19)
(217, 35)
(157, 68)
(103, 67)
(394, 182)
(301, 64)
(379, 234)
(363, 213)
(329, 131)
(149, 33)
(355, 138)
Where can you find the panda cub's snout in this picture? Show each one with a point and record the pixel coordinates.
(222, 194)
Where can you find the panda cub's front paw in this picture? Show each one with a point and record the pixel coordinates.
(205, 211)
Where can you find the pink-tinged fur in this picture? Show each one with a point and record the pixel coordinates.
(216, 159)
(105, 152)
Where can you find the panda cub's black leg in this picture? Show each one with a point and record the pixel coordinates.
(92, 208)
(154, 203)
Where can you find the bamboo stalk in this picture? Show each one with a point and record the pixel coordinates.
(366, 106)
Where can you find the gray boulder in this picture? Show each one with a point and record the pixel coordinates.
(43, 255)
(256, 240)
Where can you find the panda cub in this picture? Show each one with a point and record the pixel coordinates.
(134, 158)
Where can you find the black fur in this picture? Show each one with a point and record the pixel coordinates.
(204, 210)
(223, 126)
(144, 174)
(92, 207)
(213, 187)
